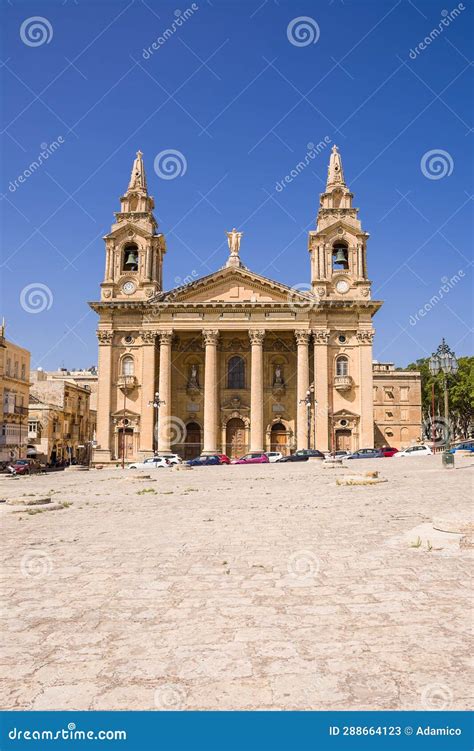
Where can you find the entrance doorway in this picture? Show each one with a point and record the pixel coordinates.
(125, 443)
(235, 437)
(192, 445)
(278, 438)
(343, 440)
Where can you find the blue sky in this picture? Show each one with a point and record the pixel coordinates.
(232, 92)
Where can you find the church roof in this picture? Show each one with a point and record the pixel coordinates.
(251, 287)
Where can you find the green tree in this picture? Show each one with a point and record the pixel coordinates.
(461, 394)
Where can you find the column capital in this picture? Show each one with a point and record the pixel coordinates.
(365, 336)
(302, 337)
(105, 337)
(210, 336)
(148, 337)
(165, 337)
(321, 336)
(257, 336)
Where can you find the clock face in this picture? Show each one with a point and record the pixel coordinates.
(342, 286)
(128, 288)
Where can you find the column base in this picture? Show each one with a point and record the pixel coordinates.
(100, 456)
(144, 453)
(164, 452)
(210, 452)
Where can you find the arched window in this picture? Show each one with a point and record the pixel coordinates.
(340, 255)
(236, 373)
(128, 366)
(130, 257)
(342, 366)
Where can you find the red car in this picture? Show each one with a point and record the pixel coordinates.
(255, 457)
(388, 451)
(24, 467)
(223, 458)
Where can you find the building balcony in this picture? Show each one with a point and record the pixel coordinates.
(343, 383)
(127, 382)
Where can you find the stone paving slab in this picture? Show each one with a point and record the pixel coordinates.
(241, 587)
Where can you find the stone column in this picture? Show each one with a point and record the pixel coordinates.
(302, 384)
(147, 420)
(164, 389)
(104, 391)
(321, 382)
(256, 390)
(366, 388)
(211, 397)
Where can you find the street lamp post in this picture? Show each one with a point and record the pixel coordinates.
(156, 404)
(444, 361)
(307, 401)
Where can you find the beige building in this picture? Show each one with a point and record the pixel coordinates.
(59, 420)
(397, 406)
(14, 394)
(234, 361)
(87, 378)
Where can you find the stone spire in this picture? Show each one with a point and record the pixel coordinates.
(335, 171)
(138, 177)
(136, 199)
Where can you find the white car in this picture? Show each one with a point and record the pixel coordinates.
(273, 456)
(154, 462)
(171, 458)
(420, 450)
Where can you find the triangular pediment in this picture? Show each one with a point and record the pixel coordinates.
(232, 285)
(330, 228)
(122, 413)
(345, 413)
(128, 228)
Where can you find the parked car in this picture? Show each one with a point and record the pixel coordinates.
(294, 458)
(310, 452)
(170, 458)
(24, 467)
(154, 462)
(389, 451)
(420, 450)
(274, 456)
(204, 461)
(466, 446)
(366, 454)
(223, 458)
(254, 457)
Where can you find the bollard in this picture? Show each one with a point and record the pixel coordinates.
(448, 460)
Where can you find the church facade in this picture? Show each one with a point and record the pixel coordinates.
(233, 361)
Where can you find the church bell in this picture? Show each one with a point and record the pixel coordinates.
(340, 256)
(132, 259)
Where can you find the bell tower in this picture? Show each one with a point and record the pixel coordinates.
(338, 245)
(134, 249)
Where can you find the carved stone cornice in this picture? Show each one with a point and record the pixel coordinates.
(257, 336)
(210, 336)
(165, 337)
(321, 336)
(365, 336)
(148, 337)
(302, 337)
(105, 337)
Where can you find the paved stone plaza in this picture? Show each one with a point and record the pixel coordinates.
(241, 587)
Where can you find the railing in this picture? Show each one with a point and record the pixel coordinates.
(126, 382)
(342, 383)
